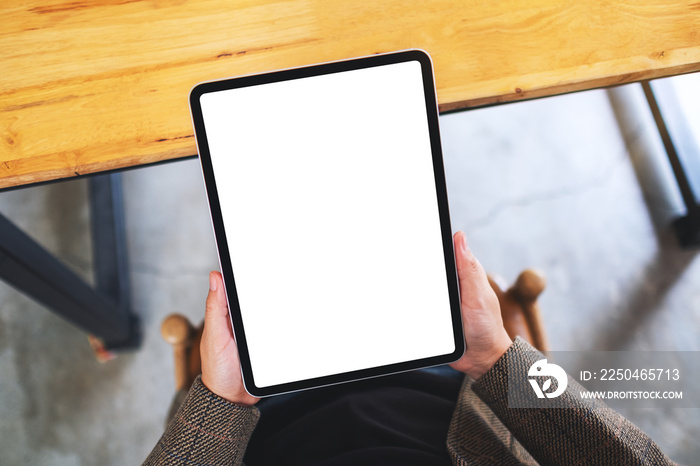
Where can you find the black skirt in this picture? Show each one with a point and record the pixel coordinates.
(395, 420)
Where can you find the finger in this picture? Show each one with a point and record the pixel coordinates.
(473, 283)
(216, 311)
(468, 267)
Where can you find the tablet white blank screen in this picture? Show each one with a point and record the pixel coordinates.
(329, 206)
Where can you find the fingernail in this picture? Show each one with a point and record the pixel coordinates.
(463, 241)
(212, 282)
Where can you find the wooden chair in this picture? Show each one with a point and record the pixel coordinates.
(519, 308)
(177, 330)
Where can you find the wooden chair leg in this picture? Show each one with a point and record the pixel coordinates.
(513, 317)
(178, 331)
(526, 290)
(519, 308)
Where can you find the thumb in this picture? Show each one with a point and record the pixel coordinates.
(216, 309)
(473, 282)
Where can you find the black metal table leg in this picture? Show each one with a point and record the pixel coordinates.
(110, 259)
(109, 239)
(683, 153)
(103, 312)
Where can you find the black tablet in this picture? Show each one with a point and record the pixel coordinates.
(327, 196)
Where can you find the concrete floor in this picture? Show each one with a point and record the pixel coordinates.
(553, 184)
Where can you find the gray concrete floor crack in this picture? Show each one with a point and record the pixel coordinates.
(554, 195)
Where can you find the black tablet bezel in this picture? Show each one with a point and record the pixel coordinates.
(220, 234)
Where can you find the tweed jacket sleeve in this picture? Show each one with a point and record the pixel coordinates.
(207, 430)
(585, 432)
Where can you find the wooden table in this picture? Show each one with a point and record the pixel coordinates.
(94, 85)
(88, 86)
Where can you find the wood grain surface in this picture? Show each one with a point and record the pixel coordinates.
(89, 85)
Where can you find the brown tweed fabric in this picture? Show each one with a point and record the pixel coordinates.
(207, 430)
(586, 432)
(477, 436)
